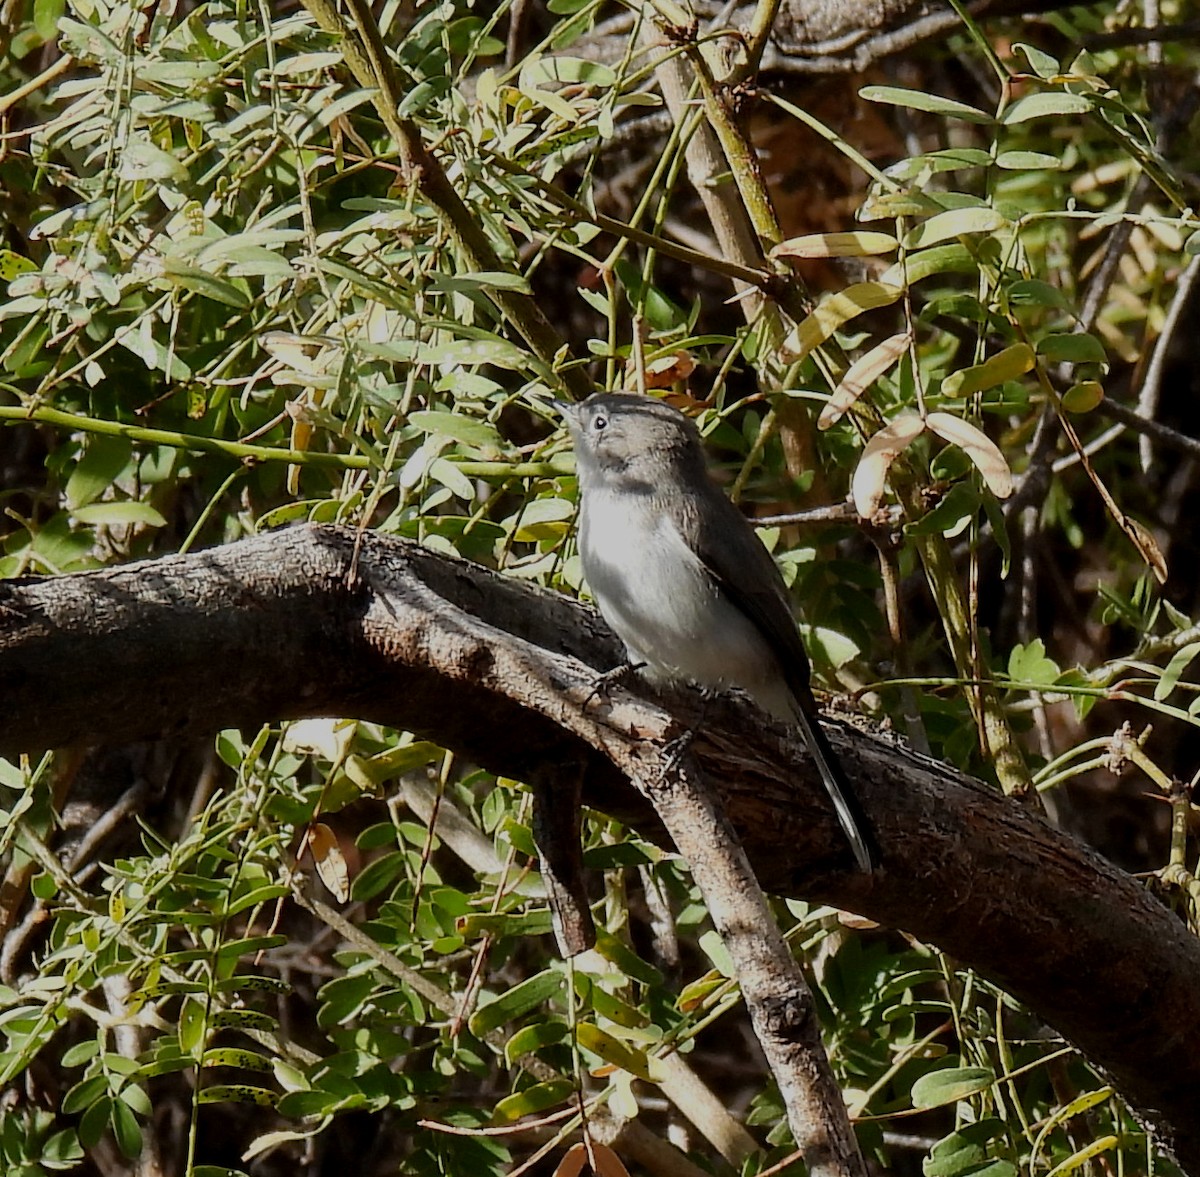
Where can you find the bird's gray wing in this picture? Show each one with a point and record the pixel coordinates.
(745, 572)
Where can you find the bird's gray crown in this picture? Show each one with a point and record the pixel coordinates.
(631, 436)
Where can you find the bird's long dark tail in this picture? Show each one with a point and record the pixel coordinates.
(849, 812)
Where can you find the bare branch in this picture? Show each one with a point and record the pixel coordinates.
(295, 623)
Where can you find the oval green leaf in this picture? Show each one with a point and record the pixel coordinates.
(919, 100)
(518, 1000)
(855, 243)
(1051, 104)
(1005, 365)
(1072, 347)
(939, 1088)
(120, 514)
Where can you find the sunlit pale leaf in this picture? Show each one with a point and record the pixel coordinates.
(918, 100)
(870, 475)
(980, 448)
(955, 222)
(833, 312)
(855, 243)
(861, 375)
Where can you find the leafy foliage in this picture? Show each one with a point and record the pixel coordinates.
(230, 305)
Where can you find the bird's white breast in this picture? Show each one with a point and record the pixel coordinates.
(661, 601)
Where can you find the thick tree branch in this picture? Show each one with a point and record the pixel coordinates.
(302, 622)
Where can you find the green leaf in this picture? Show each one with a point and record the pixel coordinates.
(94, 1122)
(537, 1098)
(544, 518)
(941, 259)
(480, 283)
(613, 1050)
(62, 1150)
(1040, 62)
(125, 1129)
(468, 430)
(1072, 347)
(955, 222)
(855, 243)
(237, 1093)
(120, 514)
(518, 1000)
(1088, 1152)
(1028, 161)
(1049, 104)
(834, 311)
(103, 460)
(1035, 292)
(141, 160)
(714, 948)
(570, 71)
(84, 1094)
(1005, 365)
(958, 506)
(13, 265)
(1083, 397)
(1029, 664)
(192, 1026)
(203, 283)
(618, 953)
(532, 1038)
(1180, 661)
(232, 1056)
(918, 100)
(938, 1088)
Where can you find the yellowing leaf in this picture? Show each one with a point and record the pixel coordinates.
(1004, 365)
(857, 243)
(331, 865)
(832, 312)
(614, 1051)
(955, 222)
(1083, 397)
(870, 476)
(861, 375)
(1148, 546)
(980, 448)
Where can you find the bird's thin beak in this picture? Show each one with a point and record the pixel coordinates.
(565, 409)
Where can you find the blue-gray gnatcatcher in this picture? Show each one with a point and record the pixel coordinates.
(681, 578)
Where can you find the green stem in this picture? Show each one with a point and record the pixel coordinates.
(242, 451)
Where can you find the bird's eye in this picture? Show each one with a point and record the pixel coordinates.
(599, 422)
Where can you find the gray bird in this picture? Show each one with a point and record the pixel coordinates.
(681, 578)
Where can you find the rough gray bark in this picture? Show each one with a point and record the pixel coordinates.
(299, 623)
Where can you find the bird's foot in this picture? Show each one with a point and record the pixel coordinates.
(617, 676)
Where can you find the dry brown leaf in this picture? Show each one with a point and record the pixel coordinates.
(980, 448)
(572, 1163)
(1148, 546)
(665, 371)
(861, 375)
(607, 1161)
(330, 863)
(870, 476)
